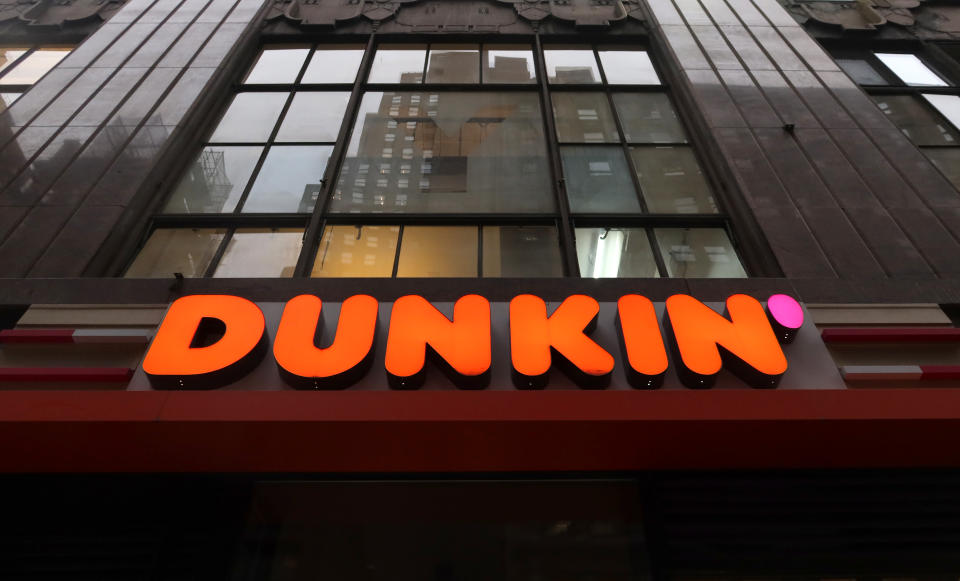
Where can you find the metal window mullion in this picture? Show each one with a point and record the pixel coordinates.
(218, 255)
(625, 147)
(480, 76)
(30, 50)
(565, 230)
(335, 163)
(426, 63)
(291, 93)
(657, 255)
(396, 254)
(479, 250)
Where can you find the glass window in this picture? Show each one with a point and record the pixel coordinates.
(508, 64)
(947, 105)
(9, 55)
(357, 251)
(454, 63)
(862, 71)
(698, 253)
(648, 118)
(277, 65)
(598, 179)
(916, 120)
(471, 154)
(7, 99)
(314, 116)
(671, 181)
(402, 63)
(584, 118)
(571, 65)
(628, 67)
(476, 152)
(169, 250)
(438, 251)
(615, 253)
(947, 160)
(251, 117)
(521, 251)
(261, 253)
(335, 63)
(289, 180)
(35, 65)
(911, 70)
(215, 181)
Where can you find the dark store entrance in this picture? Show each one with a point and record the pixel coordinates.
(747, 526)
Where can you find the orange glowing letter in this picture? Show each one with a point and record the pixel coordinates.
(646, 357)
(463, 345)
(704, 341)
(303, 364)
(533, 334)
(176, 360)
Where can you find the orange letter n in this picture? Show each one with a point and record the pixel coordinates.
(462, 345)
(703, 341)
(181, 356)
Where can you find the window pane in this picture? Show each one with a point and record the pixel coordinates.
(698, 253)
(508, 64)
(277, 65)
(34, 66)
(169, 250)
(250, 117)
(215, 181)
(628, 67)
(402, 63)
(571, 66)
(671, 181)
(261, 253)
(911, 70)
(454, 63)
(357, 251)
(947, 160)
(862, 72)
(584, 118)
(314, 116)
(337, 63)
(521, 251)
(648, 118)
(447, 152)
(438, 251)
(948, 106)
(615, 252)
(289, 180)
(7, 99)
(916, 120)
(9, 55)
(598, 179)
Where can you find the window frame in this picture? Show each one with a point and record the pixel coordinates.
(30, 48)
(562, 218)
(934, 58)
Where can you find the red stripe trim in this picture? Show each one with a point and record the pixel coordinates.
(70, 374)
(36, 336)
(484, 431)
(890, 335)
(940, 371)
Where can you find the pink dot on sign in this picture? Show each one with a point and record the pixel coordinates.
(786, 311)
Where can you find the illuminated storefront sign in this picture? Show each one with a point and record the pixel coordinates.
(208, 341)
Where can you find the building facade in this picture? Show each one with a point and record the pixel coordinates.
(607, 289)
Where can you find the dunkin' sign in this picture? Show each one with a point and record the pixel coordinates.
(208, 341)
